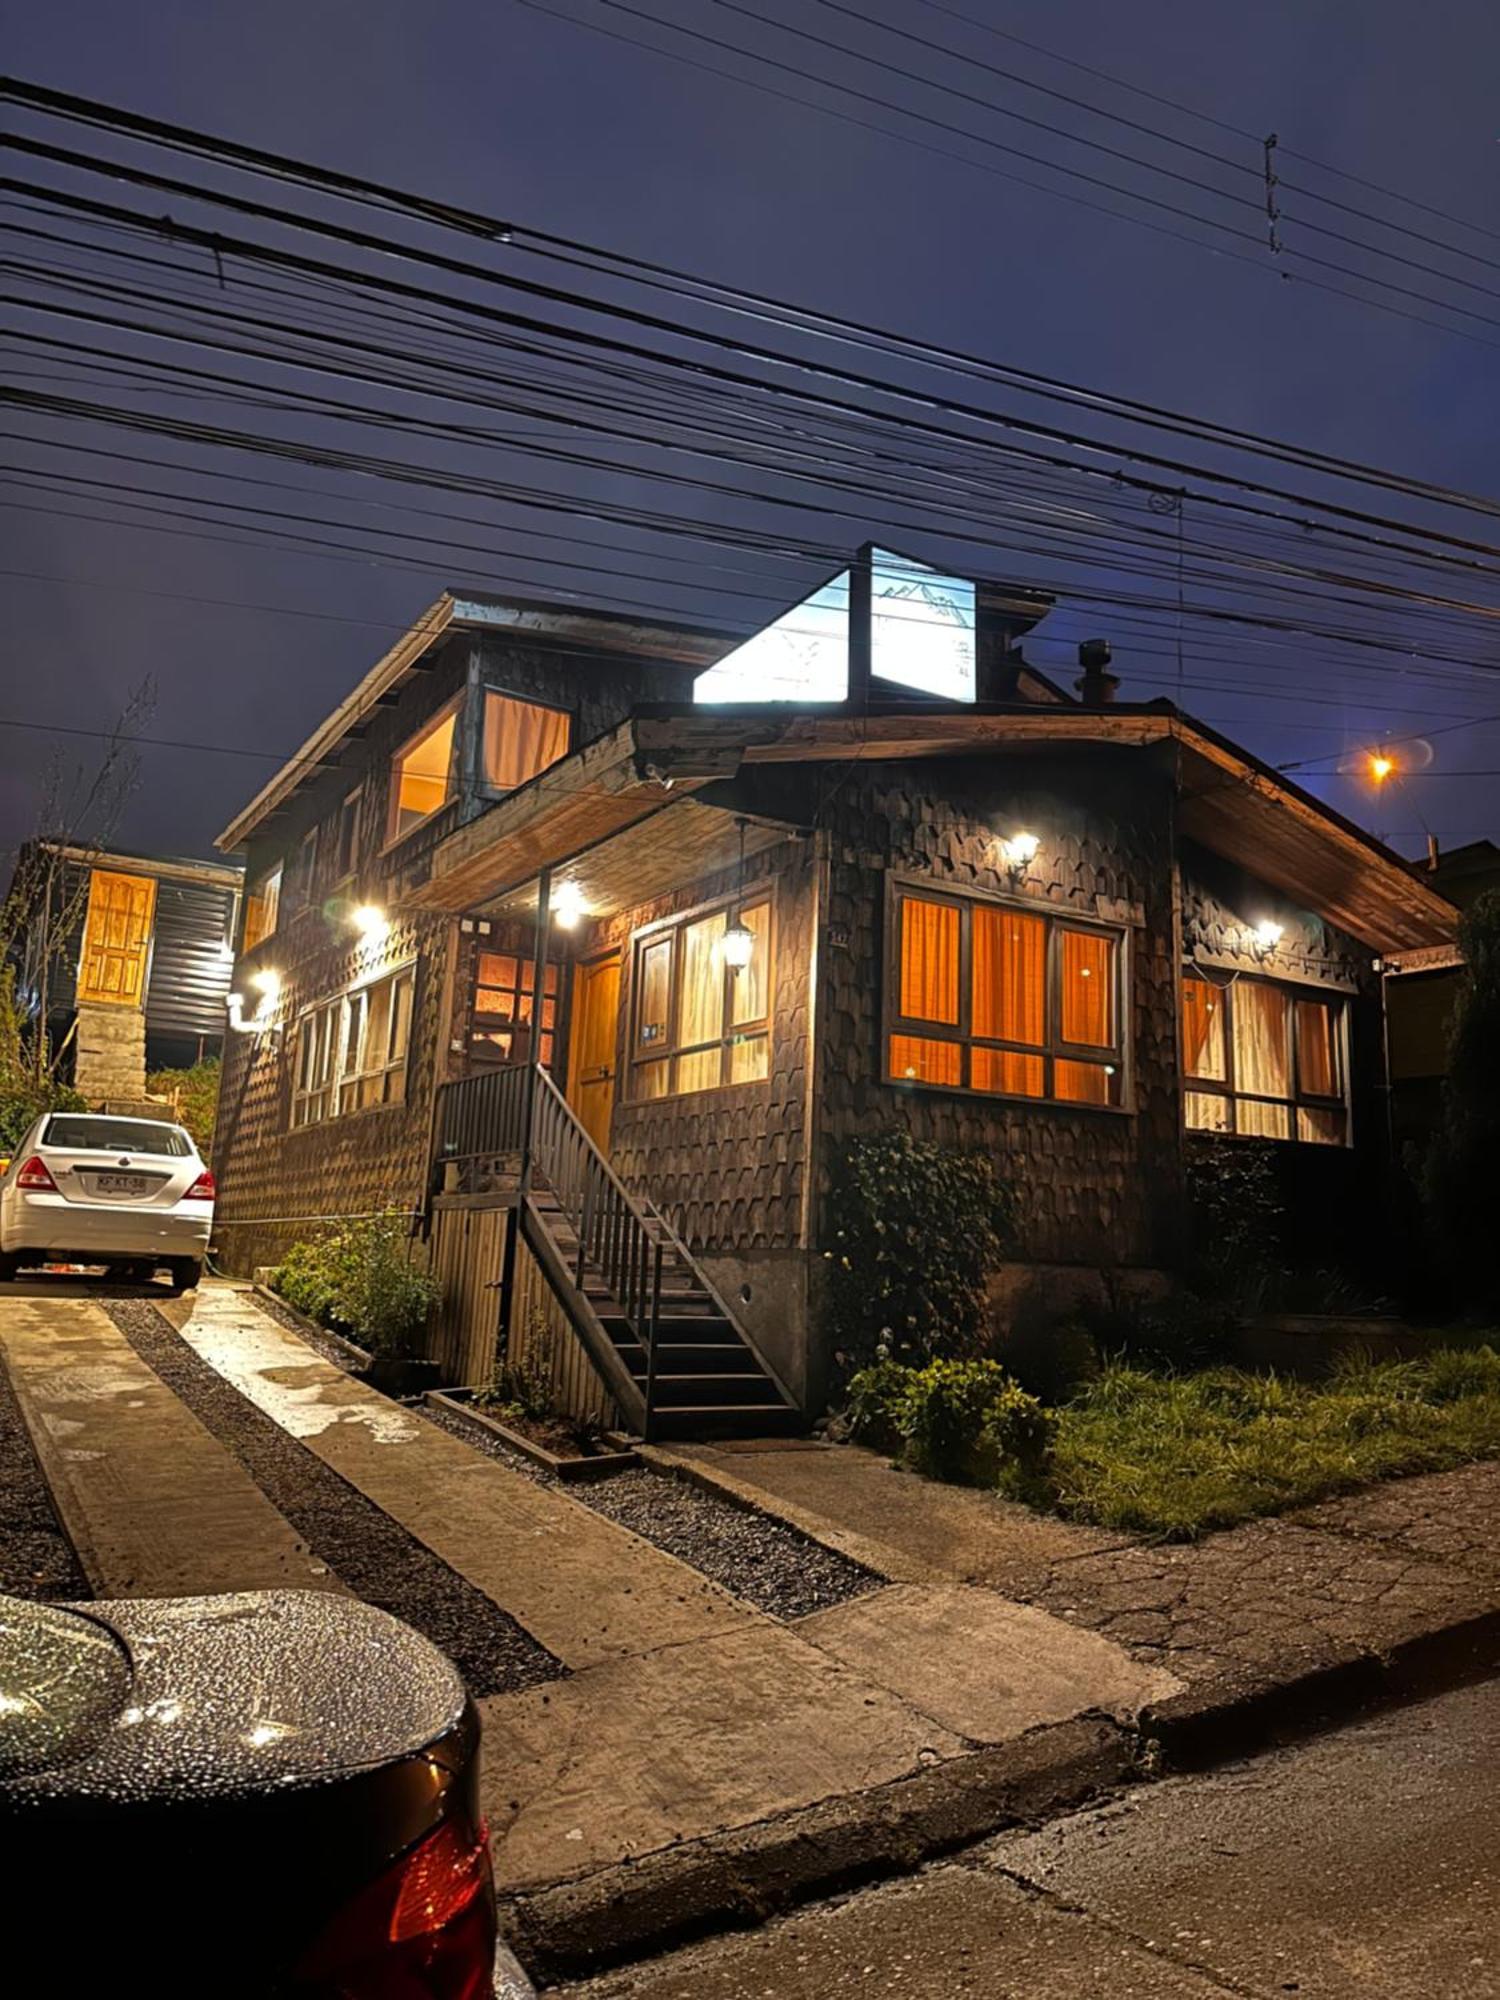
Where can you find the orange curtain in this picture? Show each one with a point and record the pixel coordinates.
(1203, 1030)
(1317, 1064)
(1261, 1057)
(914, 1060)
(1007, 1072)
(1009, 976)
(1083, 1083)
(520, 739)
(929, 962)
(1088, 1005)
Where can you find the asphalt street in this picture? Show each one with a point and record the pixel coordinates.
(1362, 1863)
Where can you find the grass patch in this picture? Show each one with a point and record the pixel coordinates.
(1178, 1455)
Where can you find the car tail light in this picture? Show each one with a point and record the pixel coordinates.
(203, 1189)
(34, 1175)
(424, 1930)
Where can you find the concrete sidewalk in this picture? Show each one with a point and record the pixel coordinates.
(152, 1503)
(1249, 1622)
(690, 1717)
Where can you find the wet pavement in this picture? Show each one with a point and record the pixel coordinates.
(1360, 1865)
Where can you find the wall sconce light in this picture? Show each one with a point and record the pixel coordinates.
(1267, 935)
(1018, 851)
(567, 906)
(268, 985)
(372, 924)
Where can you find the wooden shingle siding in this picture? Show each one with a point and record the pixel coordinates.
(1096, 1186)
(728, 1165)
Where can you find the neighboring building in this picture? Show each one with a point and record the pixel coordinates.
(866, 867)
(128, 957)
(1421, 995)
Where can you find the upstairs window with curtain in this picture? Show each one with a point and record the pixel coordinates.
(1264, 1061)
(422, 773)
(697, 1022)
(519, 740)
(262, 905)
(1003, 1001)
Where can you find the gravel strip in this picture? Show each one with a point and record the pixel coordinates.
(36, 1557)
(764, 1561)
(378, 1560)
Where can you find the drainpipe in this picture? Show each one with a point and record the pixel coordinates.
(528, 1108)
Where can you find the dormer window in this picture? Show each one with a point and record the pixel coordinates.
(422, 773)
(519, 739)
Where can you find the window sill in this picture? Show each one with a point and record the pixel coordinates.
(343, 1118)
(754, 1086)
(958, 1090)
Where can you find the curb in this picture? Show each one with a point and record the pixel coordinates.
(739, 1878)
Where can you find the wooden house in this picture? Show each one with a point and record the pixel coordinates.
(592, 943)
(128, 957)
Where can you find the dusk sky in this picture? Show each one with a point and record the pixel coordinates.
(509, 109)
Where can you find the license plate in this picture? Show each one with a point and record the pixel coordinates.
(122, 1184)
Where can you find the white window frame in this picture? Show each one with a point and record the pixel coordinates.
(368, 1078)
(319, 1032)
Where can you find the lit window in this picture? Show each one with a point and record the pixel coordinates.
(521, 738)
(1003, 1001)
(377, 1034)
(1264, 1061)
(422, 774)
(698, 1022)
(312, 1076)
(500, 1024)
(261, 905)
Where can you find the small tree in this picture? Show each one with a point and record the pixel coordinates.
(1463, 1171)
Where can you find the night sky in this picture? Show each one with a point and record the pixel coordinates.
(510, 110)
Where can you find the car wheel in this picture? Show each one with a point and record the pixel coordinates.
(187, 1274)
(122, 1274)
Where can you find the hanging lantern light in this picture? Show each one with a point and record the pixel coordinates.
(738, 942)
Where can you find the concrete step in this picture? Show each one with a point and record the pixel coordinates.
(745, 1420)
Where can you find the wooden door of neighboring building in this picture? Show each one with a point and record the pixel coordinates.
(591, 1045)
(116, 939)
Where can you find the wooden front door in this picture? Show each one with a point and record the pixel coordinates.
(116, 938)
(591, 1045)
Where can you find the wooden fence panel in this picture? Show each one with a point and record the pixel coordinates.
(466, 1251)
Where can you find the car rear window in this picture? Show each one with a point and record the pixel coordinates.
(77, 1134)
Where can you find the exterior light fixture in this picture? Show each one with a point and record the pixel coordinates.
(738, 946)
(371, 923)
(567, 906)
(1018, 850)
(1381, 766)
(738, 942)
(268, 985)
(1267, 935)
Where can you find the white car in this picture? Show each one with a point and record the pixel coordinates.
(85, 1187)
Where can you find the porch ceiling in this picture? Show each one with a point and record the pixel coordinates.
(678, 844)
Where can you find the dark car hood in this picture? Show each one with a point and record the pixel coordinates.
(205, 1697)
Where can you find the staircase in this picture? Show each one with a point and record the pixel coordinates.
(673, 1354)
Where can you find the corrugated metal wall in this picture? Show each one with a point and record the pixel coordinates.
(468, 1241)
(189, 968)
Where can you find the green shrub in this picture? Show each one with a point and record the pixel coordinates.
(1053, 1356)
(359, 1279)
(960, 1420)
(195, 1093)
(869, 1413)
(1235, 1224)
(917, 1229)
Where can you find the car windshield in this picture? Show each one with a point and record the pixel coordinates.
(117, 1135)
